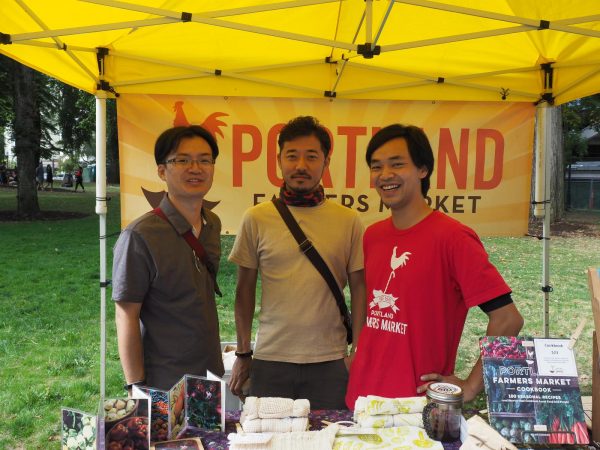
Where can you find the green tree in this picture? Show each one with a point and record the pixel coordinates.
(579, 115)
(3, 153)
(76, 121)
(112, 142)
(36, 110)
(27, 128)
(6, 109)
(77, 124)
(27, 110)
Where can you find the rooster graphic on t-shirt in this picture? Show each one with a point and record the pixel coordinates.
(382, 299)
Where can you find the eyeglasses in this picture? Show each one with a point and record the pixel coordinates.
(188, 162)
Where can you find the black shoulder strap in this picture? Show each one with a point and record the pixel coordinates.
(315, 258)
(195, 244)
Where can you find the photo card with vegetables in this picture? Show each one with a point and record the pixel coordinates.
(205, 402)
(532, 390)
(176, 408)
(159, 412)
(126, 422)
(78, 430)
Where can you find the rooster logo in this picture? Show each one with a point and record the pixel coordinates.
(381, 298)
(212, 124)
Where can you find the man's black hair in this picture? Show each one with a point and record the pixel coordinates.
(419, 147)
(305, 126)
(169, 140)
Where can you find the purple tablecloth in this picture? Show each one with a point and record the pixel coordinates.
(214, 440)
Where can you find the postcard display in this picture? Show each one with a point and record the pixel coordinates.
(533, 390)
(120, 423)
(151, 415)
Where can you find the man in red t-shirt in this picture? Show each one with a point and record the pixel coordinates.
(423, 271)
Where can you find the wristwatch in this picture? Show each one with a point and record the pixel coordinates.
(128, 386)
(244, 354)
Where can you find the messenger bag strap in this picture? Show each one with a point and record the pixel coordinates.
(199, 251)
(315, 258)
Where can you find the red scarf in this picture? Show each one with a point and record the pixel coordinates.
(292, 198)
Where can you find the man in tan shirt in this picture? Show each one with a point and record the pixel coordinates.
(301, 349)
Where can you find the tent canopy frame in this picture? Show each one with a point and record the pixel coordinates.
(369, 49)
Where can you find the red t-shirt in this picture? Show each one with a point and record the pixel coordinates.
(420, 283)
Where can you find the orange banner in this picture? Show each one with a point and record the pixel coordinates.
(483, 153)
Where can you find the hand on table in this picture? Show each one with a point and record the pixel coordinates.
(239, 375)
(468, 392)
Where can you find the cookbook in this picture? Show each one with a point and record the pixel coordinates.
(532, 390)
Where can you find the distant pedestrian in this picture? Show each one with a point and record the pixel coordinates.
(3, 175)
(49, 177)
(13, 179)
(39, 175)
(79, 178)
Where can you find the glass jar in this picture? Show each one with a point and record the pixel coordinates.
(443, 412)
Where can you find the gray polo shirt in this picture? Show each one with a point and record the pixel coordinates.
(154, 265)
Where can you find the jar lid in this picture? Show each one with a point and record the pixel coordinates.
(445, 392)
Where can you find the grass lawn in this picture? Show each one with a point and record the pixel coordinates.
(49, 310)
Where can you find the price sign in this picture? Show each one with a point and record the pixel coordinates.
(555, 358)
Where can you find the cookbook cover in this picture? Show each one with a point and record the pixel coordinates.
(533, 390)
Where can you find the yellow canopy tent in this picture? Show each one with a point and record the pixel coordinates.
(518, 50)
(541, 51)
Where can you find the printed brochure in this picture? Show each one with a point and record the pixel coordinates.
(194, 402)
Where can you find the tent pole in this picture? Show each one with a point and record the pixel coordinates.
(101, 210)
(546, 288)
(369, 21)
(542, 205)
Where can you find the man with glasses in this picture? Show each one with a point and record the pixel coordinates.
(164, 270)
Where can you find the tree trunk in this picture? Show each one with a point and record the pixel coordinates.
(27, 127)
(3, 158)
(556, 175)
(112, 143)
(557, 166)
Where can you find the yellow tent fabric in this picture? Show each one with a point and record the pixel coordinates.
(476, 50)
